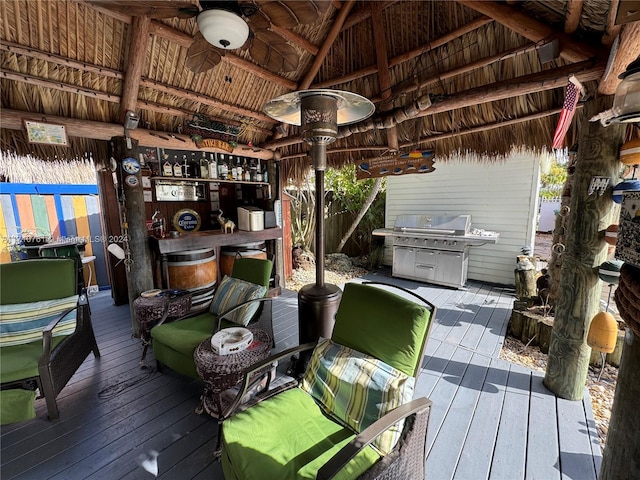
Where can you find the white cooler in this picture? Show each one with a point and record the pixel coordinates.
(250, 219)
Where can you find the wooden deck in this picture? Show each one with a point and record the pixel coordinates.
(490, 420)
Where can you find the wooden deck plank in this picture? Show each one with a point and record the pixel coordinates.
(576, 456)
(443, 458)
(510, 450)
(496, 329)
(474, 463)
(543, 459)
(592, 429)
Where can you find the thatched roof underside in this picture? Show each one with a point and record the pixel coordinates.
(70, 59)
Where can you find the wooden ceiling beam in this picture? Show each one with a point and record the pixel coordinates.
(382, 62)
(532, 29)
(13, 120)
(442, 136)
(140, 104)
(527, 84)
(362, 14)
(136, 56)
(397, 60)
(611, 30)
(572, 16)
(623, 52)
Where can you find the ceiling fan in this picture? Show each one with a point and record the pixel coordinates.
(230, 25)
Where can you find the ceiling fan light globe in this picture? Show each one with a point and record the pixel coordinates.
(223, 29)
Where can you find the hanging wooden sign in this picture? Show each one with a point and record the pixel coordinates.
(391, 165)
(47, 133)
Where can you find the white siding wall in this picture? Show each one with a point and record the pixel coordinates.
(500, 197)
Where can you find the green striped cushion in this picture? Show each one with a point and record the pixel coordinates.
(357, 389)
(233, 291)
(23, 322)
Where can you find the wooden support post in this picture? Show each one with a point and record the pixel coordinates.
(134, 225)
(580, 288)
(621, 458)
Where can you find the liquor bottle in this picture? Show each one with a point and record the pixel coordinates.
(258, 172)
(204, 166)
(253, 176)
(185, 167)
(177, 168)
(158, 224)
(213, 166)
(223, 169)
(194, 166)
(246, 170)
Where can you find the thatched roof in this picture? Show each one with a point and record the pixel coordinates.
(477, 62)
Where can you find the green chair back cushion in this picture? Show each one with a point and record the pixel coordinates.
(357, 389)
(38, 279)
(254, 270)
(396, 328)
(284, 438)
(23, 322)
(232, 292)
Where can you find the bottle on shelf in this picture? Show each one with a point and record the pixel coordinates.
(158, 224)
(246, 170)
(204, 166)
(213, 166)
(194, 166)
(258, 172)
(185, 167)
(253, 169)
(177, 168)
(223, 169)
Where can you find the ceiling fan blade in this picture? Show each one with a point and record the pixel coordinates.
(273, 52)
(202, 56)
(289, 14)
(150, 8)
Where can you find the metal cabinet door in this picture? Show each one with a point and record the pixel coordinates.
(426, 261)
(450, 269)
(404, 259)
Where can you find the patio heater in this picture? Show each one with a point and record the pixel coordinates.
(319, 112)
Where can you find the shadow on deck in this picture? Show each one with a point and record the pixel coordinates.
(490, 419)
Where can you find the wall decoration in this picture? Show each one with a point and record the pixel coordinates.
(47, 133)
(628, 242)
(187, 220)
(130, 166)
(414, 162)
(131, 180)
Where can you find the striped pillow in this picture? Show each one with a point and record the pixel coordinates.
(357, 389)
(23, 322)
(233, 291)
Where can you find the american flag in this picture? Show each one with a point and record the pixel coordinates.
(571, 97)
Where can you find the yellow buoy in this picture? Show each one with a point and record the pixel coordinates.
(603, 333)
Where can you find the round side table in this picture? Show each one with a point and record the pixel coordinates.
(221, 372)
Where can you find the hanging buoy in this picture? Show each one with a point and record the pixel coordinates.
(609, 271)
(611, 234)
(603, 333)
(630, 152)
(632, 185)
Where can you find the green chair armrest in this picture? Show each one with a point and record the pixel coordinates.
(237, 307)
(369, 434)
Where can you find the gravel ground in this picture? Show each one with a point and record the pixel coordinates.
(340, 268)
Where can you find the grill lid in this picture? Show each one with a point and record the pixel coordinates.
(433, 224)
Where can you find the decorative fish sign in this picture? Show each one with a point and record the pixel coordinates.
(417, 161)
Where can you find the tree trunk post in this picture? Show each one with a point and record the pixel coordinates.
(580, 288)
(134, 227)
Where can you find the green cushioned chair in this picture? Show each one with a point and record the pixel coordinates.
(173, 343)
(41, 343)
(290, 433)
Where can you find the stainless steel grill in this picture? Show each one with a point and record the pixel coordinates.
(435, 248)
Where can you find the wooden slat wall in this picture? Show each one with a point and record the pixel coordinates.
(500, 197)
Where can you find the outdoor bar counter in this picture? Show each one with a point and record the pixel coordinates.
(213, 239)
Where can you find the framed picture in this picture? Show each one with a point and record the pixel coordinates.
(47, 133)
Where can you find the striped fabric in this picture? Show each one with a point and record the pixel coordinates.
(23, 322)
(233, 291)
(357, 389)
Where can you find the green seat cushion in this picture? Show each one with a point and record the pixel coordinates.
(19, 362)
(357, 389)
(46, 278)
(254, 270)
(286, 437)
(396, 327)
(185, 335)
(17, 405)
